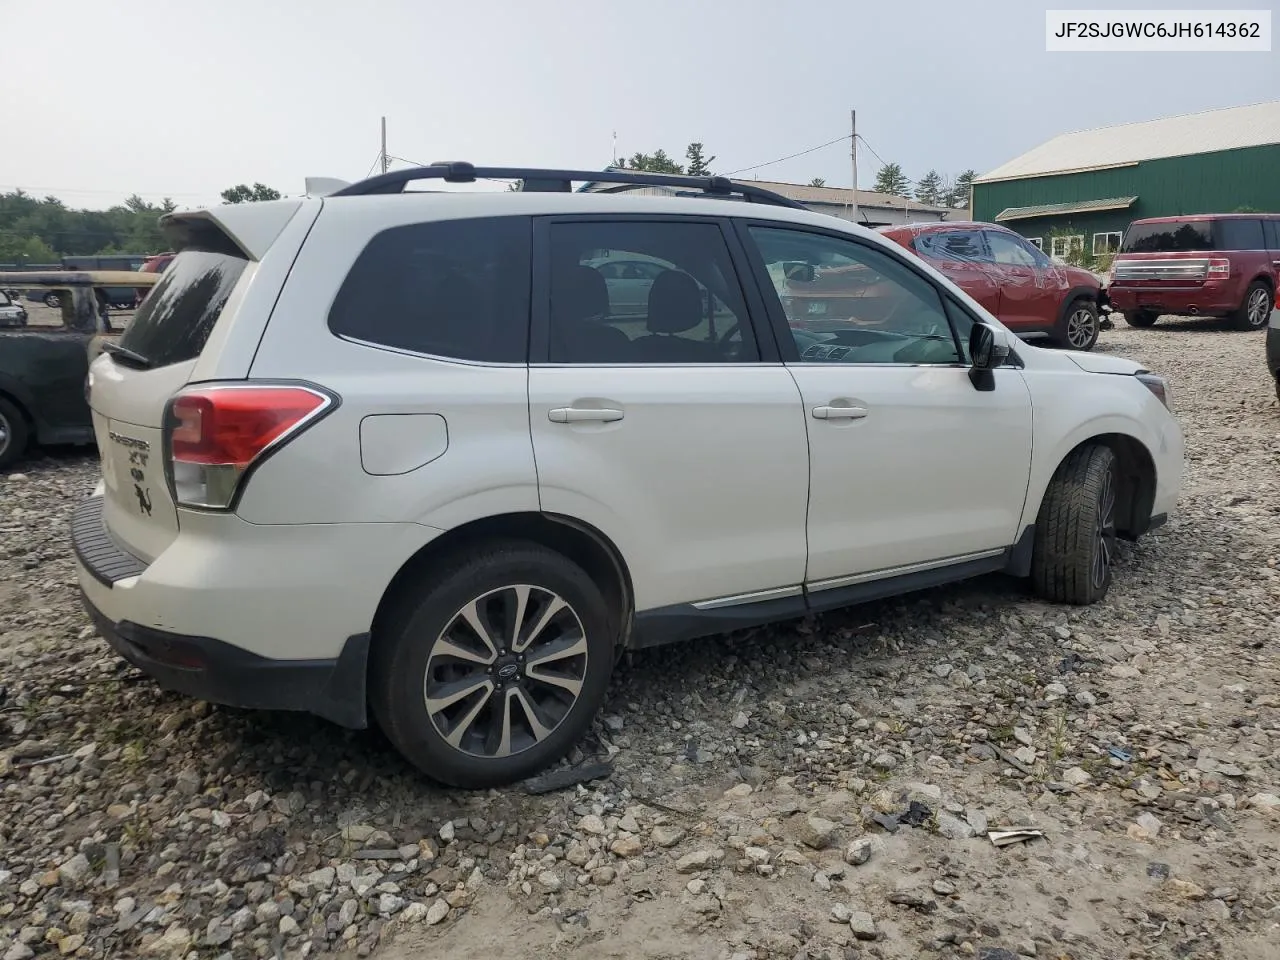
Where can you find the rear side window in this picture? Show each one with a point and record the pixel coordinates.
(1168, 237)
(179, 313)
(1240, 235)
(1272, 234)
(448, 288)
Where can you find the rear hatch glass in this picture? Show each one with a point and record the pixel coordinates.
(1178, 236)
(175, 320)
(135, 378)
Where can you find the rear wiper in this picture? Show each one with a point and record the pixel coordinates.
(126, 356)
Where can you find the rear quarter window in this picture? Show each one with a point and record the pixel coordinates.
(1236, 234)
(175, 319)
(458, 289)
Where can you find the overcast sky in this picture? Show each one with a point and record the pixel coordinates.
(101, 99)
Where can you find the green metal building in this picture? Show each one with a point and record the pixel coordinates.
(1082, 190)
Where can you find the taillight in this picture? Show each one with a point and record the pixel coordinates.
(214, 435)
(1219, 267)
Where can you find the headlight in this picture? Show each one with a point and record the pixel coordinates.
(1157, 385)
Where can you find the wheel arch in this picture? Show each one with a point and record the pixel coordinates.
(578, 541)
(1135, 477)
(1081, 292)
(19, 401)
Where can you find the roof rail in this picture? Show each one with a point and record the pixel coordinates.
(533, 180)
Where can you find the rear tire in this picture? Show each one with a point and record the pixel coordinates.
(1140, 319)
(475, 712)
(1255, 309)
(51, 300)
(13, 433)
(1080, 326)
(1075, 530)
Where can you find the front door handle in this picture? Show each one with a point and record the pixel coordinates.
(839, 413)
(580, 414)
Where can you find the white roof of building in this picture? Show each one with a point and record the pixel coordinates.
(1227, 129)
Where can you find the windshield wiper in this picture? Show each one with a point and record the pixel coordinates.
(126, 356)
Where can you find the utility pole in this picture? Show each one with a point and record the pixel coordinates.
(853, 155)
(385, 159)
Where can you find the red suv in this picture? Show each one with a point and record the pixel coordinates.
(1214, 265)
(154, 264)
(1031, 294)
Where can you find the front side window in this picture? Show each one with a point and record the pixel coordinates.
(846, 302)
(450, 288)
(645, 292)
(1008, 251)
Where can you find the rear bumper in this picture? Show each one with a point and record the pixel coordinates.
(219, 672)
(1211, 298)
(248, 615)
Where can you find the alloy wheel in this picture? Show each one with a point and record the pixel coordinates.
(5, 435)
(505, 671)
(1082, 328)
(1258, 311)
(1105, 533)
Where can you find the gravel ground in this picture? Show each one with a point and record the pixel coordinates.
(819, 790)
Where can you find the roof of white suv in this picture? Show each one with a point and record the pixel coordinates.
(255, 226)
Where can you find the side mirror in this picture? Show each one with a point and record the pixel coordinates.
(799, 271)
(988, 348)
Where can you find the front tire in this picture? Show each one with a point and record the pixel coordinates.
(1141, 319)
(493, 666)
(1080, 327)
(1255, 309)
(52, 300)
(13, 433)
(1076, 529)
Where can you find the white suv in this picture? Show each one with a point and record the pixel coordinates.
(401, 454)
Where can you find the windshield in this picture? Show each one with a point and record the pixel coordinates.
(4, 299)
(1170, 236)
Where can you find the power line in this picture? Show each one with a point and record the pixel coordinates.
(802, 153)
(152, 193)
(872, 149)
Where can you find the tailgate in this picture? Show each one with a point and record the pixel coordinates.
(128, 417)
(132, 381)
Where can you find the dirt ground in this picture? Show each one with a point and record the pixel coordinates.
(821, 789)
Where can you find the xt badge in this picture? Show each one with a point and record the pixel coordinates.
(139, 453)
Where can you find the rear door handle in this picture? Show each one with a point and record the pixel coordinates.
(839, 413)
(580, 414)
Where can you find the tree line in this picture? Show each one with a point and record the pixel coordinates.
(44, 229)
(934, 188)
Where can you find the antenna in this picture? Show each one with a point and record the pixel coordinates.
(383, 155)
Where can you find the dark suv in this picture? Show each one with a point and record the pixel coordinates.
(1213, 265)
(1031, 294)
